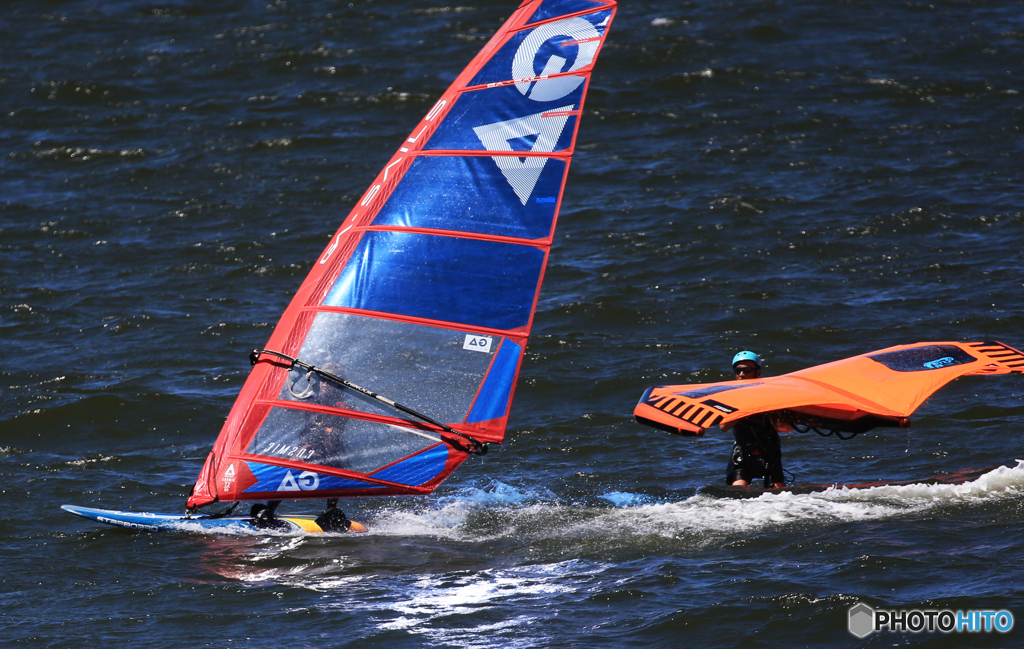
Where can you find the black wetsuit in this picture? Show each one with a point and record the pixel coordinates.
(757, 452)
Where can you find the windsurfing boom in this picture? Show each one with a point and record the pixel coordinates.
(426, 292)
(853, 395)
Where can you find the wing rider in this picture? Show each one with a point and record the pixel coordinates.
(758, 451)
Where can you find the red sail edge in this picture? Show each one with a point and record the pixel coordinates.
(426, 293)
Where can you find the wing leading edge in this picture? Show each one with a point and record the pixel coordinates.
(880, 388)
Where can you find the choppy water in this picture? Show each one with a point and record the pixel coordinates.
(809, 179)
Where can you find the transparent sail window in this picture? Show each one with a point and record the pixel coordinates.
(922, 359)
(434, 371)
(340, 442)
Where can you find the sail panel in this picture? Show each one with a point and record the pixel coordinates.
(474, 282)
(345, 443)
(502, 119)
(287, 482)
(418, 469)
(493, 400)
(430, 369)
(474, 194)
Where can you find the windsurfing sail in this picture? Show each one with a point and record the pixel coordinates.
(398, 356)
(853, 395)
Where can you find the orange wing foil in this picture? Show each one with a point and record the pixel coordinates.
(880, 388)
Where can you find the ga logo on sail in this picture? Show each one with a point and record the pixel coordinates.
(306, 481)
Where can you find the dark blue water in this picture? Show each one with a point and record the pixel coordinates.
(811, 180)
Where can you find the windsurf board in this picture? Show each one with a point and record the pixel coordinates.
(202, 523)
(954, 478)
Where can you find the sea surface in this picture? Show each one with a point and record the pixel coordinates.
(808, 179)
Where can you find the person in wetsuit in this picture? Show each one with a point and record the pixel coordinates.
(323, 435)
(320, 442)
(758, 451)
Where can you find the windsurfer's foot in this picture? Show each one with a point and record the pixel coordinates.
(263, 516)
(333, 519)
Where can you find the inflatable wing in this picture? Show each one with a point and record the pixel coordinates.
(881, 388)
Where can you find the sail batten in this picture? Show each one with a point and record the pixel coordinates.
(455, 234)
(510, 333)
(427, 291)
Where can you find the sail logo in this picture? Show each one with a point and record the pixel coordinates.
(940, 362)
(330, 250)
(533, 74)
(523, 173)
(718, 405)
(477, 343)
(229, 477)
(580, 33)
(306, 481)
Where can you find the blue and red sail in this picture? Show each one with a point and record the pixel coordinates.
(427, 291)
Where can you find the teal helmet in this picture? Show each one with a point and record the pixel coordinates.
(747, 356)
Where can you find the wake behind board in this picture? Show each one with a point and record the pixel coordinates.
(954, 478)
(201, 523)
